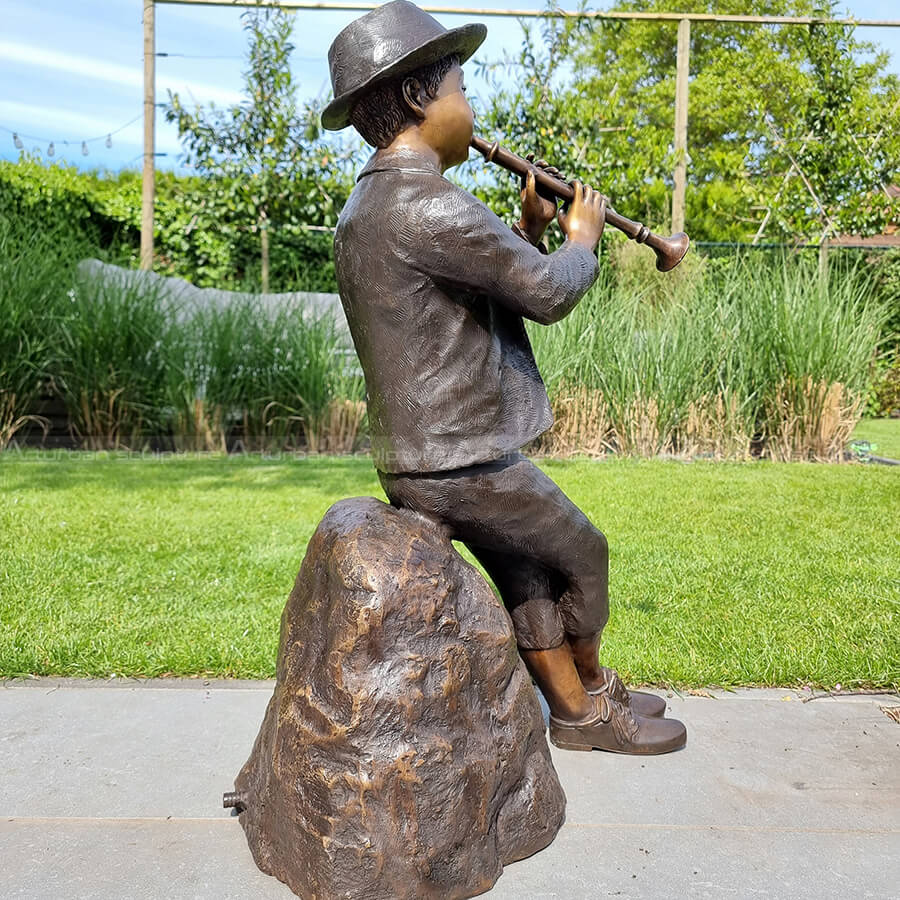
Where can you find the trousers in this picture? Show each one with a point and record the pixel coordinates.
(548, 562)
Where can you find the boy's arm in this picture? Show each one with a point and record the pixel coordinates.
(463, 243)
(540, 242)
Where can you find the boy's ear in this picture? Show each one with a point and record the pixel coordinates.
(414, 95)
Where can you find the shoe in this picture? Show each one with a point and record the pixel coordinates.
(612, 726)
(642, 704)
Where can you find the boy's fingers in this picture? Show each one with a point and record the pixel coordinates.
(594, 198)
(526, 181)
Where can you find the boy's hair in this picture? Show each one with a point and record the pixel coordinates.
(381, 114)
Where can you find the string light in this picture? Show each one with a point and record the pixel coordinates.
(51, 144)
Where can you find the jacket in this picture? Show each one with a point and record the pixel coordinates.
(435, 287)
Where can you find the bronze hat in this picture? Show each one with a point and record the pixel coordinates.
(391, 40)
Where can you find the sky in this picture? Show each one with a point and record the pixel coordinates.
(72, 71)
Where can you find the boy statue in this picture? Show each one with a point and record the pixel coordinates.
(435, 288)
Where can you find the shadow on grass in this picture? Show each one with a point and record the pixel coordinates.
(650, 607)
(332, 476)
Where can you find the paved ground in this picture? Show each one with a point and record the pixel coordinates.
(112, 790)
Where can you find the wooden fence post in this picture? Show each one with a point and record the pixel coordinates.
(149, 172)
(682, 71)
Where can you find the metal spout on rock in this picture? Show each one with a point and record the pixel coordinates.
(235, 799)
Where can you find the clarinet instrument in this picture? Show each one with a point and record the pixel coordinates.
(669, 250)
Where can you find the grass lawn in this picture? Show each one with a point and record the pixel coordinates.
(720, 573)
(882, 434)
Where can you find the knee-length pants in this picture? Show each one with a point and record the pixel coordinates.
(549, 563)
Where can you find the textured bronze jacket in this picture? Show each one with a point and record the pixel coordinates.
(434, 287)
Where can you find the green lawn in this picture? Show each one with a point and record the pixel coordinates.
(720, 573)
(882, 434)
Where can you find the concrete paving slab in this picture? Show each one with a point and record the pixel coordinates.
(208, 860)
(131, 859)
(766, 763)
(143, 750)
(115, 792)
(124, 751)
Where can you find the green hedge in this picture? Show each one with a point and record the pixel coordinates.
(198, 234)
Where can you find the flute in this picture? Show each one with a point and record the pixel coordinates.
(669, 250)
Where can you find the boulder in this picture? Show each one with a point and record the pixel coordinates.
(402, 754)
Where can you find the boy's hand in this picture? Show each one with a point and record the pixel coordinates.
(583, 222)
(538, 207)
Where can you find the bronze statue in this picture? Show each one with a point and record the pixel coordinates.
(403, 755)
(435, 288)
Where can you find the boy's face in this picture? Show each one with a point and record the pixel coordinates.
(449, 120)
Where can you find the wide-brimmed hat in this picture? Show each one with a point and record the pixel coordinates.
(391, 40)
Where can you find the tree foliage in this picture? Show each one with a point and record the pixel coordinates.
(796, 127)
(266, 168)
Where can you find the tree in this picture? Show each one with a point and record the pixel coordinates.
(843, 145)
(793, 128)
(262, 155)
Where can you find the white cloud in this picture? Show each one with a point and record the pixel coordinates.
(98, 70)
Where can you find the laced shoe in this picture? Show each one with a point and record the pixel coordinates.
(613, 726)
(642, 703)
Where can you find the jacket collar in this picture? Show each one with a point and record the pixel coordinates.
(400, 160)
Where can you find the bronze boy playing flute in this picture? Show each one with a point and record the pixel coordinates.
(435, 288)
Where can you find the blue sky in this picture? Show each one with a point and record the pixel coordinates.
(72, 71)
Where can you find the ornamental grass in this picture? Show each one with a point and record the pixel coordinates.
(723, 358)
(739, 358)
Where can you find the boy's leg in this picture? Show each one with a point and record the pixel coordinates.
(586, 655)
(512, 509)
(548, 561)
(530, 592)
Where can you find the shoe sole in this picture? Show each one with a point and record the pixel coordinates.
(649, 751)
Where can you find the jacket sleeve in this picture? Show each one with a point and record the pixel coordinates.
(461, 243)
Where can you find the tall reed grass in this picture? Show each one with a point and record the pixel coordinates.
(134, 369)
(726, 358)
(263, 378)
(731, 358)
(116, 340)
(35, 270)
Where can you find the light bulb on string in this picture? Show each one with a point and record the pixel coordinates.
(84, 149)
(108, 141)
(18, 142)
(51, 149)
